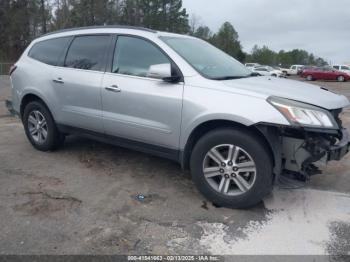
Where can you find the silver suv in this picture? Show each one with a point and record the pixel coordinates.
(177, 97)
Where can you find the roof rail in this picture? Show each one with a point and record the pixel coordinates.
(102, 27)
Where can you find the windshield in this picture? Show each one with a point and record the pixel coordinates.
(207, 59)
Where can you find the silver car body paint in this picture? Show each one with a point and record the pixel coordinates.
(154, 111)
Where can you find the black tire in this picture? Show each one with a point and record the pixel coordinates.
(54, 138)
(254, 146)
(309, 78)
(341, 79)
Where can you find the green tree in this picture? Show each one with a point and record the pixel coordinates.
(21, 21)
(204, 33)
(164, 15)
(62, 17)
(227, 40)
(283, 58)
(264, 55)
(89, 12)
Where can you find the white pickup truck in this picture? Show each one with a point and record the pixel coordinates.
(293, 70)
(342, 68)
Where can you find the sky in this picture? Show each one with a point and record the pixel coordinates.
(321, 27)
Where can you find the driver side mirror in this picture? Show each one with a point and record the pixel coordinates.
(164, 72)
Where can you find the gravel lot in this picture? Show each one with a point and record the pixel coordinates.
(82, 200)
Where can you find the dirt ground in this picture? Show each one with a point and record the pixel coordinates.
(82, 199)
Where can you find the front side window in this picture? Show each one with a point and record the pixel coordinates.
(135, 56)
(336, 67)
(208, 60)
(49, 51)
(87, 52)
(345, 68)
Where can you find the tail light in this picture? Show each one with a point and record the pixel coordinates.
(12, 69)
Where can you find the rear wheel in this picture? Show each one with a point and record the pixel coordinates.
(309, 78)
(40, 127)
(340, 78)
(232, 168)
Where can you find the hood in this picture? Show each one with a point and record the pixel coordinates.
(291, 89)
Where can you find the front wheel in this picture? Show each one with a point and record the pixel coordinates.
(232, 168)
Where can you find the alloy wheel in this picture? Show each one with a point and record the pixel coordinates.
(341, 78)
(37, 127)
(229, 170)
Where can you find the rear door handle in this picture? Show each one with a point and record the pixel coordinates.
(58, 80)
(114, 89)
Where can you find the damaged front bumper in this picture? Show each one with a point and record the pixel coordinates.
(303, 151)
(338, 151)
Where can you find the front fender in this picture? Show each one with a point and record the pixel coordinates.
(205, 104)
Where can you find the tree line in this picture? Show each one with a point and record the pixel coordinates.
(21, 21)
(294, 57)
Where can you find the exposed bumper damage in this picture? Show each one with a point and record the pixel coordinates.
(302, 151)
(338, 151)
(300, 154)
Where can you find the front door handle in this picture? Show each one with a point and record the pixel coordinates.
(58, 80)
(114, 89)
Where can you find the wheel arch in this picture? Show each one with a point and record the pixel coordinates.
(207, 126)
(30, 97)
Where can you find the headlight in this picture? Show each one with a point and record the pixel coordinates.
(300, 114)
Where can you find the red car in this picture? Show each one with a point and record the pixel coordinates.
(325, 74)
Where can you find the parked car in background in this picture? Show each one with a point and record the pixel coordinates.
(267, 71)
(325, 73)
(293, 70)
(301, 69)
(342, 68)
(277, 68)
(251, 65)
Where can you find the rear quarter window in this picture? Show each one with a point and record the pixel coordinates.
(49, 51)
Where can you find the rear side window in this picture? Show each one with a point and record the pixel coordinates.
(87, 52)
(336, 67)
(49, 51)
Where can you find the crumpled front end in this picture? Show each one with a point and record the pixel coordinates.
(302, 151)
